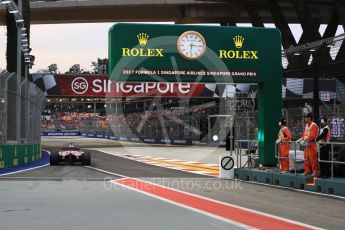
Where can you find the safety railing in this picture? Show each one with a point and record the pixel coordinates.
(245, 149)
(332, 154)
(334, 151)
(296, 146)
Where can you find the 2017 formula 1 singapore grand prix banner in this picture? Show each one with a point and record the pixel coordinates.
(204, 54)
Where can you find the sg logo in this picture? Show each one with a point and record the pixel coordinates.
(79, 85)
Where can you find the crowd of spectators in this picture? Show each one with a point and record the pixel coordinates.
(171, 123)
(176, 122)
(69, 121)
(47, 123)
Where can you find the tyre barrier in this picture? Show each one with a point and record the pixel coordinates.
(18, 155)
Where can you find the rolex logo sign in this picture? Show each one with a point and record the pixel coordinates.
(143, 38)
(237, 52)
(238, 40)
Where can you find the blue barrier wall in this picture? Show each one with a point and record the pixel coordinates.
(58, 134)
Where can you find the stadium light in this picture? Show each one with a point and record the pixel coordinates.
(12, 8)
(215, 138)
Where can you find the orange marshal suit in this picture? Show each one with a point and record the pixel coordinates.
(311, 164)
(284, 135)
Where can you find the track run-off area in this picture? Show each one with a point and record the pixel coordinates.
(138, 186)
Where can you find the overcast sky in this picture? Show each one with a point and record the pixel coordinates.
(68, 44)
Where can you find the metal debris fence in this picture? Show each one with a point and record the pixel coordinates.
(20, 111)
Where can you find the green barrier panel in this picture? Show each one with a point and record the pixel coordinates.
(30, 150)
(21, 151)
(2, 159)
(16, 155)
(8, 152)
(26, 155)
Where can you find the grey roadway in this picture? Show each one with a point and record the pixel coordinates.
(76, 197)
(316, 210)
(80, 205)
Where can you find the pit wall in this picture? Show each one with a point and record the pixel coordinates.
(18, 155)
(292, 181)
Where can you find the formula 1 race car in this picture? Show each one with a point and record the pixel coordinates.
(70, 153)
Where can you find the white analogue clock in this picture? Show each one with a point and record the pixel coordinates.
(191, 45)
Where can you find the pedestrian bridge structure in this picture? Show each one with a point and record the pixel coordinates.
(179, 11)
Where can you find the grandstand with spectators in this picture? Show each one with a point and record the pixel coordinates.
(175, 115)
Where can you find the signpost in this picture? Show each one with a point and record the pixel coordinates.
(226, 167)
(227, 163)
(204, 54)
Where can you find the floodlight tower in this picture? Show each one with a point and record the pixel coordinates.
(22, 48)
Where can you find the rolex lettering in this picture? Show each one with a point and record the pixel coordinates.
(236, 53)
(143, 39)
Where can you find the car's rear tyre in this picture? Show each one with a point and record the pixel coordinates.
(86, 159)
(54, 159)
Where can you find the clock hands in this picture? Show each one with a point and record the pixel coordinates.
(191, 45)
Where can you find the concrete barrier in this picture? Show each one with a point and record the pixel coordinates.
(292, 181)
(186, 141)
